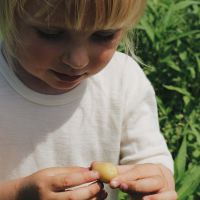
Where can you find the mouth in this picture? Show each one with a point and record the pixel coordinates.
(65, 77)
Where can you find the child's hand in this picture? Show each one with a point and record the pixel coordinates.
(146, 182)
(58, 183)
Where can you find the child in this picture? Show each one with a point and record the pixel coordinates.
(68, 98)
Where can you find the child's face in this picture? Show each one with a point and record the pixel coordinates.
(61, 57)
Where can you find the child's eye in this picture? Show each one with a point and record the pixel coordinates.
(103, 36)
(50, 34)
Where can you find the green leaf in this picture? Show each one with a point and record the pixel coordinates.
(195, 131)
(175, 37)
(183, 56)
(123, 196)
(186, 100)
(189, 182)
(177, 89)
(171, 64)
(180, 160)
(184, 4)
(198, 62)
(148, 29)
(192, 72)
(162, 108)
(167, 19)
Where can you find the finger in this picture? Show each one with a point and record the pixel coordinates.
(65, 170)
(124, 168)
(172, 195)
(83, 193)
(145, 170)
(64, 181)
(136, 172)
(85, 184)
(151, 184)
(170, 183)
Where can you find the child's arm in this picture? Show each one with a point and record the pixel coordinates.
(146, 182)
(54, 183)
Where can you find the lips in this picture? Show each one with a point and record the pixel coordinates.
(65, 77)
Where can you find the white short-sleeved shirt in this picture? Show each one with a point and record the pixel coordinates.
(111, 116)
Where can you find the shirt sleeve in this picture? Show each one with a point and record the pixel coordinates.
(142, 141)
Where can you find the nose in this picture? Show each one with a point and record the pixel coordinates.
(76, 57)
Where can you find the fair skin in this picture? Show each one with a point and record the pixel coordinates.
(56, 60)
(55, 183)
(146, 182)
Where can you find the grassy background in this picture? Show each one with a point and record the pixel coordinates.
(168, 42)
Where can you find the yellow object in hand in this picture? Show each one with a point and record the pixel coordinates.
(106, 170)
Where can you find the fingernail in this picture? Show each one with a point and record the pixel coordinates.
(114, 184)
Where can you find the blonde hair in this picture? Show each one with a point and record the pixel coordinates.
(102, 14)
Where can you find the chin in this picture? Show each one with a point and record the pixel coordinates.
(63, 87)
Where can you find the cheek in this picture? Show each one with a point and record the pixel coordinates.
(38, 54)
(101, 58)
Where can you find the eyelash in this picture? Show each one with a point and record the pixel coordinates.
(96, 37)
(49, 36)
(103, 38)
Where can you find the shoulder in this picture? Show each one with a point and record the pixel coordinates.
(128, 70)
(124, 76)
(122, 66)
(123, 70)
(126, 66)
(123, 60)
